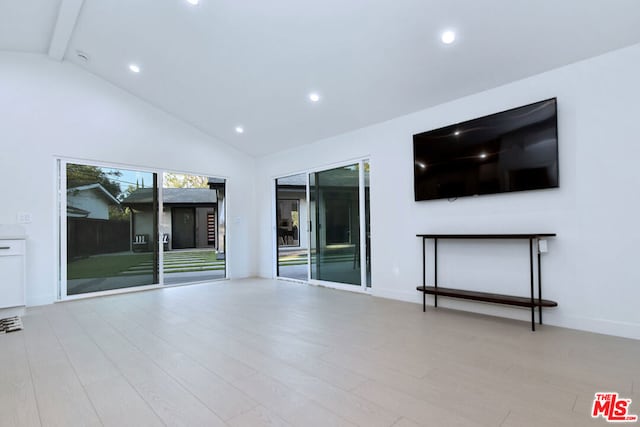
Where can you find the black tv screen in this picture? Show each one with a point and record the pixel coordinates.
(514, 150)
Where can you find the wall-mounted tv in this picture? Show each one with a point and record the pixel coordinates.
(514, 150)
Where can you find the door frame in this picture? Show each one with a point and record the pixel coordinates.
(362, 288)
(61, 222)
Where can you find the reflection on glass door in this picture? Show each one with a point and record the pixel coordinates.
(335, 234)
(291, 217)
(193, 231)
(333, 208)
(110, 244)
(114, 221)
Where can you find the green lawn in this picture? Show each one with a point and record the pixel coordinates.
(105, 265)
(331, 253)
(208, 256)
(142, 264)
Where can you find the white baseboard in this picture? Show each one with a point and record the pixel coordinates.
(33, 301)
(599, 326)
(397, 295)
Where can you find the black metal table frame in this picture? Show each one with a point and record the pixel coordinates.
(530, 237)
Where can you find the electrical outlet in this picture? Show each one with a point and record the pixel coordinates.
(542, 246)
(24, 218)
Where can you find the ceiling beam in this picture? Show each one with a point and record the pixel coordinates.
(66, 23)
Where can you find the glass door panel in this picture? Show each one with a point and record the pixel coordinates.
(112, 224)
(335, 225)
(193, 231)
(291, 218)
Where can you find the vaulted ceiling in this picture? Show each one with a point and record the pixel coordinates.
(221, 64)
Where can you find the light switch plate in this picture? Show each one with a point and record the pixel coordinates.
(24, 218)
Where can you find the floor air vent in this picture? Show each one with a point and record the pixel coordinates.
(10, 324)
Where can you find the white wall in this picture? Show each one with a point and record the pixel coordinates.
(592, 268)
(51, 109)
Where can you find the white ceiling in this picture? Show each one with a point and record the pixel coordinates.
(225, 63)
(27, 25)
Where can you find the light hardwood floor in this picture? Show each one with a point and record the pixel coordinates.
(262, 352)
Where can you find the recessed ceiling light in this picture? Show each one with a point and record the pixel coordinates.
(448, 37)
(314, 97)
(193, 2)
(456, 133)
(483, 155)
(239, 129)
(134, 68)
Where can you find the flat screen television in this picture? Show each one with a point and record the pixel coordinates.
(514, 150)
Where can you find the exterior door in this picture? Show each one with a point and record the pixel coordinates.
(339, 230)
(335, 250)
(183, 228)
(110, 228)
(110, 233)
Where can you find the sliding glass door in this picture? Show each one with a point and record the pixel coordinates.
(335, 250)
(112, 220)
(194, 228)
(335, 214)
(109, 244)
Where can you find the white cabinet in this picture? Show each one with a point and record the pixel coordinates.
(12, 272)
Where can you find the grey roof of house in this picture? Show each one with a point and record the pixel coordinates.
(173, 196)
(76, 211)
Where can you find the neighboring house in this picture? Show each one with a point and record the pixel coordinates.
(89, 229)
(90, 201)
(191, 217)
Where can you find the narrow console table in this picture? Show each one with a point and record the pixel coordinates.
(520, 301)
